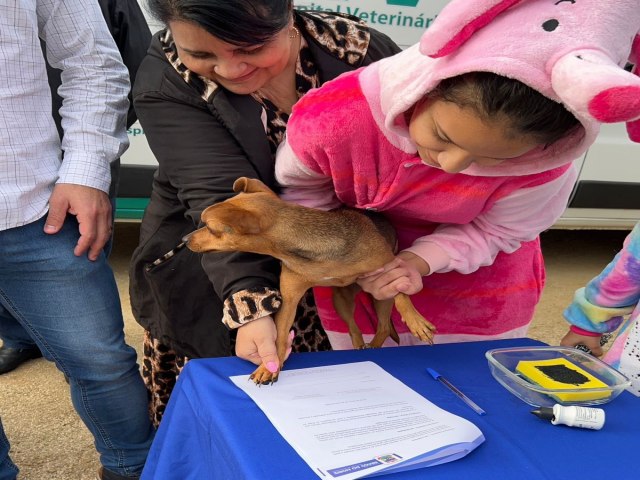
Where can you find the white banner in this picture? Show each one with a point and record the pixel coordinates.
(403, 20)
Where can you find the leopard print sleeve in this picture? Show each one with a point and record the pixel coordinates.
(247, 305)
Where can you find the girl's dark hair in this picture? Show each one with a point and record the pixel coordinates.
(496, 97)
(239, 22)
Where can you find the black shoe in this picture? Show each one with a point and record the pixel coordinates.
(11, 358)
(104, 474)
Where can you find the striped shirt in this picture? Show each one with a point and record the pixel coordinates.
(94, 87)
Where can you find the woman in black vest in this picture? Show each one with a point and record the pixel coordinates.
(214, 95)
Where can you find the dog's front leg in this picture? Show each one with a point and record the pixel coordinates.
(420, 327)
(292, 288)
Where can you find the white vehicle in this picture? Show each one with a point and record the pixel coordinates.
(607, 194)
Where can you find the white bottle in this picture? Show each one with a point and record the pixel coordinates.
(573, 416)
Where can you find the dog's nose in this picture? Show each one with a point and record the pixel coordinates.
(186, 238)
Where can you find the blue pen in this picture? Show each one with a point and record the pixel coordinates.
(450, 386)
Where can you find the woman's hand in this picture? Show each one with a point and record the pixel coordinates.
(402, 275)
(256, 342)
(571, 339)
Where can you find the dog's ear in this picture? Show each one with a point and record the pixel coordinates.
(247, 223)
(232, 219)
(250, 185)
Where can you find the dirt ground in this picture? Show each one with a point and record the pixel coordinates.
(48, 441)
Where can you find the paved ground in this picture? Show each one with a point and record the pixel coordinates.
(50, 443)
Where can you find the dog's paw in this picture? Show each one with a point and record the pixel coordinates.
(262, 376)
(423, 329)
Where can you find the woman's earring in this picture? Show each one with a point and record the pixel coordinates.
(294, 32)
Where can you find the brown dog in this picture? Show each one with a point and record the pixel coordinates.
(316, 248)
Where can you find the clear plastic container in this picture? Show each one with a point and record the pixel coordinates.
(504, 365)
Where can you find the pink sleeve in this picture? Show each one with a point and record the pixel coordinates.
(518, 217)
(300, 184)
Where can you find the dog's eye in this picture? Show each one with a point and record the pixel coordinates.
(550, 25)
(210, 228)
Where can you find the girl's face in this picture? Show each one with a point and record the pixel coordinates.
(241, 70)
(453, 138)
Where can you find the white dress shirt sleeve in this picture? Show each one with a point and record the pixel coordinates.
(95, 85)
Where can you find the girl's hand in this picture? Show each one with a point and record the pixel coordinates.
(256, 342)
(571, 339)
(402, 275)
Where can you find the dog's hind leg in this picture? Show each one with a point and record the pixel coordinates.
(420, 327)
(344, 301)
(292, 288)
(385, 325)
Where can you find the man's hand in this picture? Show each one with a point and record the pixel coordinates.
(256, 342)
(92, 210)
(402, 275)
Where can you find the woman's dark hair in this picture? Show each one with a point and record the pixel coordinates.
(239, 22)
(496, 97)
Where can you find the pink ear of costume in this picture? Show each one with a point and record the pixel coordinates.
(590, 83)
(633, 127)
(459, 20)
(616, 104)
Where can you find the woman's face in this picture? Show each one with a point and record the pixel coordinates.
(453, 138)
(241, 70)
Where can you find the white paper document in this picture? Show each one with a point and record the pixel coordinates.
(356, 420)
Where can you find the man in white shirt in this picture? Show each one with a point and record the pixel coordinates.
(129, 29)
(55, 217)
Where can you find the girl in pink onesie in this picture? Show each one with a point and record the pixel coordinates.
(468, 154)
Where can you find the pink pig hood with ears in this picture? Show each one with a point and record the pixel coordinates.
(572, 51)
(579, 47)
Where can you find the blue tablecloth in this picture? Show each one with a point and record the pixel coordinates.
(212, 430)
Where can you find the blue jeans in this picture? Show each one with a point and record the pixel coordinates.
(15, 335)
(71, 309)
(8, 471)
